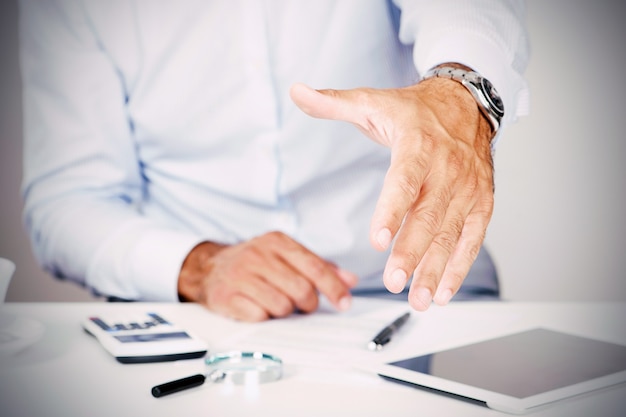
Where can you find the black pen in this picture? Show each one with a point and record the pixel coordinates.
(384, 336)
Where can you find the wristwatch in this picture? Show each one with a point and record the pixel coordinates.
(485, 94)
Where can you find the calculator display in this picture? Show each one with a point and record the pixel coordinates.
(151, 320)
(151, 337)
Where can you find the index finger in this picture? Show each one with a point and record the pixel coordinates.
(401, 189)
(323, 275)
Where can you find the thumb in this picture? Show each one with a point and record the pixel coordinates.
(325, 104)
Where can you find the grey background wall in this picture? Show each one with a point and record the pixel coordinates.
(29, 283)
(558, 231)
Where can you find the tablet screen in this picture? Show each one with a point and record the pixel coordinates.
(523, 364)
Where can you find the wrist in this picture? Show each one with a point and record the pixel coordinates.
(486, 97)
(196, 266)
(456, 109)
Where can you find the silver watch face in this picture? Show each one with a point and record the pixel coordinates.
(492, 96)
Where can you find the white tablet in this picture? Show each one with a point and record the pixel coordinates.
(515, 373)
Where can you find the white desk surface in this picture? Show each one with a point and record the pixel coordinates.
(67, 373)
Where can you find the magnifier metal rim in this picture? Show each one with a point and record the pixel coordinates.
(262, 367)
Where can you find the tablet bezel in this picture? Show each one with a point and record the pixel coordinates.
(492, 399)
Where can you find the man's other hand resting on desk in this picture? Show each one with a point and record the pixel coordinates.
(268, 276)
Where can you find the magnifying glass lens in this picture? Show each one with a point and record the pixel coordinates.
(245, 367)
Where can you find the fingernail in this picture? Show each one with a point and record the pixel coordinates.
(344, 303)
(397, 280)
(383, 237)
(445, 297)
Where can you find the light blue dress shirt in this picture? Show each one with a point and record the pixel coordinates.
(151, 126)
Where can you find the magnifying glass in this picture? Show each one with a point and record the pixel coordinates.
(237, 367)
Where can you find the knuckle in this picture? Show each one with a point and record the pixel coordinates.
(446, 241)
(430, 220)
(274, 237)
(281, 306)
(408, 185)
(330, 92)
(219, 295)
(241, 308)
(305, 297)
(471, 185)
(316, 267)
(454, 278)
(250, 251)
(252, 315)
(449, 238)
(409, 258)
(473, 252)
(302, 290)
(310, 305)
(428, 278)
(484, 209)
(487, 203)
(235, 269)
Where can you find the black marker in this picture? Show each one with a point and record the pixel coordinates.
(384, 336)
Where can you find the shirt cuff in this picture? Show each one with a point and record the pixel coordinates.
(156, 263)
(141, 262)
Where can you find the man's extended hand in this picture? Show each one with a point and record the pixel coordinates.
(268, 276)
(437, 198)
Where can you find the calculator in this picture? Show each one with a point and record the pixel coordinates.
(146, 337)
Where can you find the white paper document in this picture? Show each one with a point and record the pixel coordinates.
(329, 340)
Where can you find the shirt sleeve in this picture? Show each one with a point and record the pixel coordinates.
(488, 36)
(82, 182)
